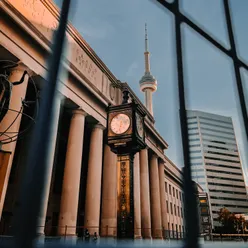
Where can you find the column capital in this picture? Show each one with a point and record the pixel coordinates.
(98, 126)
(161, 161)
(22, 67)
(155, 155)
(145, 149)
(79, 111)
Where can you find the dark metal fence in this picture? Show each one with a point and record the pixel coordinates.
(192, 231)
(103, 231)
(32, 190)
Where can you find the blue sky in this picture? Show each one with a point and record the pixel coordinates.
(115, 30)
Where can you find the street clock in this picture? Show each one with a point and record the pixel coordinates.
(125, 136)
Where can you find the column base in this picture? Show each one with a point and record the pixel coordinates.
(201, 240)
(147, 237)
(138, 241)
(40, 240)
(157, 238)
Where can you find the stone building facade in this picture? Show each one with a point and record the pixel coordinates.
(81, 181)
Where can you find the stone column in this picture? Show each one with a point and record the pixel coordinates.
(155, 198)
(15, 105)
(50, 162)
(162, 196)
(137, 208)
(145, 195)
(93, 187)
(72, 172)
(109, 194)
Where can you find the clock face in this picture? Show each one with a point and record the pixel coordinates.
(120, 123)
(139, 124)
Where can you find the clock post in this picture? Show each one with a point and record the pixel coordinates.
(126, 136)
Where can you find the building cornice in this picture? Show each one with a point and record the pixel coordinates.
(74, 34)
(83, 44)
(172, 169)
(163, 143)
(32, 28)
(24, 24)
(174, 166)
(173, 176)
(41, 35)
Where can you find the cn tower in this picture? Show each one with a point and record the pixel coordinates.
(148, 82)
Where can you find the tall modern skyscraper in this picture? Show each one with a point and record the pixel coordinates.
(215, 162)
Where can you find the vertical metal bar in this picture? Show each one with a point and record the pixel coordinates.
(65, 232)
(32, 188)
(236, 65)
(131, 158)
(191, 217)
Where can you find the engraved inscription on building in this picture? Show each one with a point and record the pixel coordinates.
(41, 17)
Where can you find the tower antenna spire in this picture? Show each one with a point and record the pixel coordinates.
(146, 53)
(146, 38)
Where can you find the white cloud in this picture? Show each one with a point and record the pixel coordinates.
(131, 69)
(97, 30)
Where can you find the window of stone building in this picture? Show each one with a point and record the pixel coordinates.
(179, 228)
(172, 227)
(165, 185)
(169, 225)
(181, 212)
(173, 191)
(178, 211)
(171, 208)
(175, 209)
(180, 196)
(167, 205)
(177, 193)
(169, 189)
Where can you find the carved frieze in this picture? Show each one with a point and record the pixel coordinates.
(85, 64)
(39, 14)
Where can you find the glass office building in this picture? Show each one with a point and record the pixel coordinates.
(215, 162)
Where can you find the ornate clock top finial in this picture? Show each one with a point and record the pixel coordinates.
(125, 93)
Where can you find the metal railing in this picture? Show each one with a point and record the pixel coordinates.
(51, 232)
(33, 188)
(173, 7)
